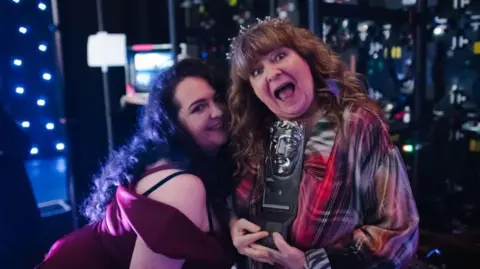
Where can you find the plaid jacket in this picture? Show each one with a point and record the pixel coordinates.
(355, 207)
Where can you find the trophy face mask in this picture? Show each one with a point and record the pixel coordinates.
(283, 174)
(283, 166)
(284, 149)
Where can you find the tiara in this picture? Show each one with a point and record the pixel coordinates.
(244, 29)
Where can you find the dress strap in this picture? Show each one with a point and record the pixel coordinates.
(157, 168)
(210, 218)
(163, 181)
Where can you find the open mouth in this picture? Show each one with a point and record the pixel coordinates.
(285, 91)
(281, 161)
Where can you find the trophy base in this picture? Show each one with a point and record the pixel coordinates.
(274, 223)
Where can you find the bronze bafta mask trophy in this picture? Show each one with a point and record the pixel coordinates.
(283, 173)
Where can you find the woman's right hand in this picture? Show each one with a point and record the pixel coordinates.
(245, 233)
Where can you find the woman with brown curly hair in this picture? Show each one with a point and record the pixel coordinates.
(355, 205)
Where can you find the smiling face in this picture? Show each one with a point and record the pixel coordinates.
(200, 113)
(283, 81)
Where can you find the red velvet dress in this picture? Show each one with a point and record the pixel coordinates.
(109, 244)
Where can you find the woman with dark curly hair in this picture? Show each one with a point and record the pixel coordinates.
(160, 200)
(354, 205)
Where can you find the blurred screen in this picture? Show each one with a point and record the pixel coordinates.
(152, 61)
(148, 65)
(144, 66)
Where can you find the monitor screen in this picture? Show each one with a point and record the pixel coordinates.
(152, 61)
(145, 64)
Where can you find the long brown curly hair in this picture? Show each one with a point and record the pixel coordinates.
(250, 118)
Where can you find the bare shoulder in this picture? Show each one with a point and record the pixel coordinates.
(180, 183)
(185, 192)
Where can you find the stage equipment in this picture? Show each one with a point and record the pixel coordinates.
(144, 63)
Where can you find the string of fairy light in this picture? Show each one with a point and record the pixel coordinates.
(26, 86)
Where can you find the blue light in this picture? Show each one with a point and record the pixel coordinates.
(50, 126)
(47, 76)
(41, 102)
(60, 146)
(433, 251)
(42, 47)
(34, 150)
(25, 124)
(19, 90)
(42, 6)
(17, 62)
(16, 1)
(22, 30)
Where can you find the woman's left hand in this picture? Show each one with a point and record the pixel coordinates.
(286, 255)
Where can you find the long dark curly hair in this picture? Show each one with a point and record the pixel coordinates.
(161, 136)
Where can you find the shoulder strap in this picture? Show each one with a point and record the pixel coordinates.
(163, 181)
(157, 168)
(210, 218)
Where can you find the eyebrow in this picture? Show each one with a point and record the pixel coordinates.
(274, 50)
(202, 100)
(267, 55)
